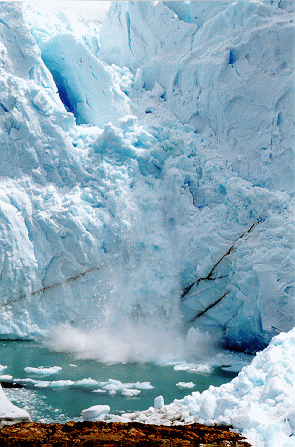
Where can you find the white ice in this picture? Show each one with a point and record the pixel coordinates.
(130, 214)
(186, 384)
(9, 413)
(42, 370)
(259, 402)
(95, 413)
(111, 385)
(178, 215)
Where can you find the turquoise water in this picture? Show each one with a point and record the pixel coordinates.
(63, 403)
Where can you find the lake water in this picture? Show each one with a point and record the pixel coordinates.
(48, 398)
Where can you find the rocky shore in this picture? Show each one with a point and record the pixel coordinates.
(92, 434)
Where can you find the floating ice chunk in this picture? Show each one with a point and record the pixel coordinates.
(129, 392)
(95, 413)
(87, 382)
(54, 383)
(43, 371)
(190, 367)
(6, 377)
(42, 384)
(143, 385)
(126, 389)
(9, 413)
(2, 368)
(182, 367)
(159, 402)
(61, 383)
(201, 369)
(113, 385)
(186, 384)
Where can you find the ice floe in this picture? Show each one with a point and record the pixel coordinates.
(42, 370)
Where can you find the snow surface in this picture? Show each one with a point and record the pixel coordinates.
(147, 178)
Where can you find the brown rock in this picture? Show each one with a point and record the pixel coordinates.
(94, 434)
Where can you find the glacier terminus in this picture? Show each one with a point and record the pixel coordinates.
(147, 193)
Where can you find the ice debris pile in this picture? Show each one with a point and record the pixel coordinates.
(259, 402)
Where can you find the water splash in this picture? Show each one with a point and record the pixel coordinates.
(141, 342)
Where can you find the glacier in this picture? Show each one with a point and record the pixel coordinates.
(148, 184)
(147, 178)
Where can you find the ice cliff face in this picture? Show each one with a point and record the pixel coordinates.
(147, 170)
(224, 66)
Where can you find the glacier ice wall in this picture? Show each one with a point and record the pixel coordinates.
(230, 74)
(146, 171)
